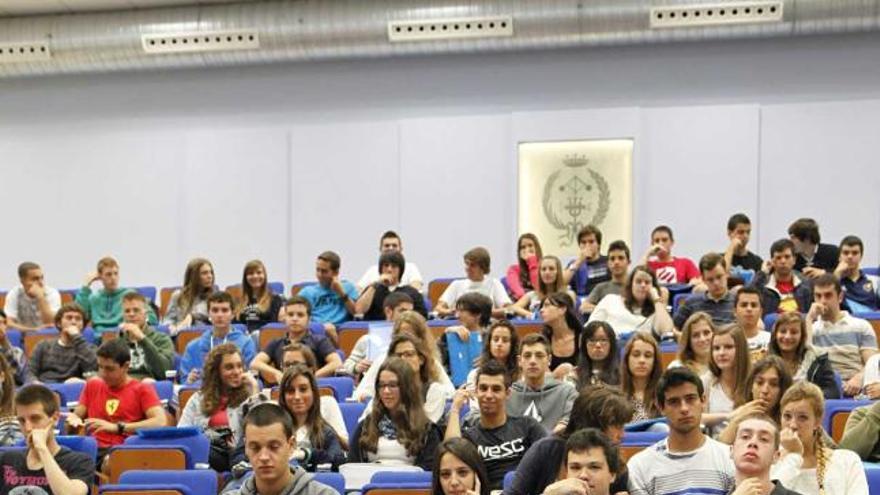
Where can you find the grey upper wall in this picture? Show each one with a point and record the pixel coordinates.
(281, 162)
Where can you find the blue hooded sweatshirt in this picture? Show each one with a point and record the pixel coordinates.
(194, 355)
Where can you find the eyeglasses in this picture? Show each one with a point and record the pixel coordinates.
(406, 354)
(389, 386)
(598, 341)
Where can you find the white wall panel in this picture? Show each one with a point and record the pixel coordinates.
(233, 202)
(345, 190)
(821, 161)
(458, 177)
(699, 166)
(84, 195)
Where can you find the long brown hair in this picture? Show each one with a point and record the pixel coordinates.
(558, 285)
(742, 361)
(524, 275)
(686, 355)
(769, 362)
(192, 285)
(263, 295)
(8, 389)
(511, 364)
(409, 417)
(626, 378)
(212, 384)
(787, 319)
(314, 421)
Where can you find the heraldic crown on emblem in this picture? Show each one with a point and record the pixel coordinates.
(574, 196)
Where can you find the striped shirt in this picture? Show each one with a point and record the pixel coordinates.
(707, 470)
(844, 340)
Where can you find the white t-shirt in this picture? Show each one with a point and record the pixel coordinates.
(759, 341)
(613, 311)
(844, 474)
(26, 310)
(718, 401)
(490, 287)
(872, 370)
(656, 471)
(411, 274)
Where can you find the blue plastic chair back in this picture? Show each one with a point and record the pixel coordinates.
(402, 487)
(402, 477)
(462, 355)
(334, 480)
(69, 392)
(642, 437)
(351, 412)
(85, 444)
(14, 337)
(164, 389)
(769, 321)
(508, 480)
(199, 481)
(872, 472)
(317, 329)
(276, 288)
(183, 489)
(872, 271)
(342, 385)
(147, 291)
(196, 443)
(834, 406)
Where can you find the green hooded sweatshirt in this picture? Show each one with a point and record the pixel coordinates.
(104, 309)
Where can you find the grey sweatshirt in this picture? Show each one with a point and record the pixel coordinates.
(301, 484)
(549, 405)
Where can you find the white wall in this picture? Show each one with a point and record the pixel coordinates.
(285, 161)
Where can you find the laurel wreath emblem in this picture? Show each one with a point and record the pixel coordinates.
(570, 229)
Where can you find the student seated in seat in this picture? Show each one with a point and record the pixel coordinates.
(591, 465)
(33, 304)
(396, 429)
(459, 470)
(812, 258)
(477, 265)
(390, 242)
(104, 306)
(114, 405)
(502, 440)
(258, 305)
(152, 352)
(270, 444)
(221, 314)
(217, 407)
(372, 298)
(14, 355)
(189, 305)
(332, 300)
(861, 291)
(69, 358)
(45, 467)
(670, 269)
(357, 362)
(296, 314)
(742, 263)
(590, 268)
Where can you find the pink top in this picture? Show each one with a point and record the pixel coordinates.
(513, 282)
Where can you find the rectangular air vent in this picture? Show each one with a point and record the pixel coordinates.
(200, 41)
(715, 14)
(24, 52)
(448, 29)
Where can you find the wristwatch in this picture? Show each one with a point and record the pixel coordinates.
(120, 428)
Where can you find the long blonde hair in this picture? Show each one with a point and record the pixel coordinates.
(192, 285)
(420, 327)
(804, 390)
(686, 355)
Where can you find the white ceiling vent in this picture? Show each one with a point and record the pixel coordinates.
(24, 52)
(449, 29)
(200, 41)
(714, 14)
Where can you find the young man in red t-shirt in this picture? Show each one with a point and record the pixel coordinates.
(668, 268)
(115, 405)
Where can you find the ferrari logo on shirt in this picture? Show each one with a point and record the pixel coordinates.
(111, 406)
